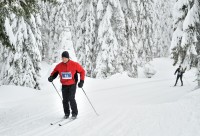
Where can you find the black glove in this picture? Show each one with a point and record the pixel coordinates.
(50, 79)
(80, 84)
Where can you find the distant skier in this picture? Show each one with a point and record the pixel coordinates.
(67, 71)
(180, 72)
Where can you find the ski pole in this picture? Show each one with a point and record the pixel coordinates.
(90, 102)
(57, 91)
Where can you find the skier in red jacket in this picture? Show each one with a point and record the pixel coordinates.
(67, 71)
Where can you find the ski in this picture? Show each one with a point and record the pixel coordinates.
(58, 121)
(64, 123)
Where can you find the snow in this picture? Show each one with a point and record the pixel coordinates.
(9, 31)
(99, 9)
(176, 37)
(60, 1)
(189, 19)
(127, 106)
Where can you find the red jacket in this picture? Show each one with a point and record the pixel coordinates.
(67, 70)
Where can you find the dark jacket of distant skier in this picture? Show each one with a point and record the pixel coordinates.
(67, 70)
(179, 72)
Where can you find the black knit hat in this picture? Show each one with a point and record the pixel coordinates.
(65, 54)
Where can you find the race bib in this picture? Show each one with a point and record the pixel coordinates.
(66, 75)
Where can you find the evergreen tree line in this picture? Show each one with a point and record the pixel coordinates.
(109, 36)
(112, 36)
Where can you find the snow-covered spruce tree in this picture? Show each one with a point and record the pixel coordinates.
(139, 23)
(189, 38)
(162, 27)
(183, 45)
(126, 17)
(107, 61)
(131, 13)
(54, 28)
(84, 34)
(198, 43)
(20, 42)
(144, 30)
(90, 38)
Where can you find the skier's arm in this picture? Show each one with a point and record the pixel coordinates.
(176, 71)
(55, 75)
(80, 70)
(55, 72)
(76, 77)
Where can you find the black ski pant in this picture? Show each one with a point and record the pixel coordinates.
(68, 93)
(179, 76)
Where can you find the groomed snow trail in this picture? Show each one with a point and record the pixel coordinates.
(127, 107)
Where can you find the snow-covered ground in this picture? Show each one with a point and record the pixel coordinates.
(127, 107)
